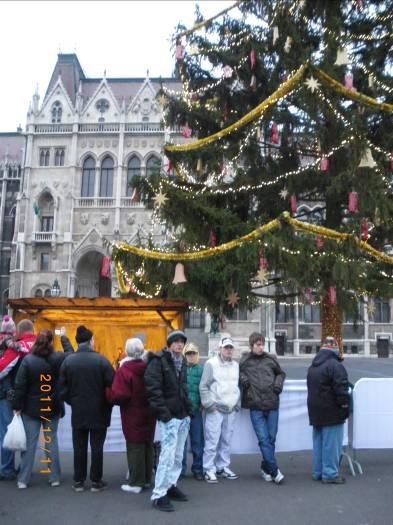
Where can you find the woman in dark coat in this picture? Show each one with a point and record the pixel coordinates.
(37, 397)
(138, 423)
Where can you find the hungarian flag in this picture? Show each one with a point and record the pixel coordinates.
(36, 209)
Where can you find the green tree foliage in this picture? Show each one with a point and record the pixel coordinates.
(209, 200)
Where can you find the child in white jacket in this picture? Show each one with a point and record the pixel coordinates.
(220, 397)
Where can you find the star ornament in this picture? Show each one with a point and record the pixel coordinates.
(284, 193)
(312, 84)
(161, 100)
(261, 276)
(233, 299)
(160, 199)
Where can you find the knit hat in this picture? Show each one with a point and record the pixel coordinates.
(176, 334)
(330, 343)
(191, 347)
(226, 341)
(8, 325)
(83, 334)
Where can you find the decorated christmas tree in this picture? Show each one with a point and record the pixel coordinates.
(283, 178)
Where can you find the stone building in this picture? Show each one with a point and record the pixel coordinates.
(12, 149)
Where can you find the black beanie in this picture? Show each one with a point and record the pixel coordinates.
(83, 334)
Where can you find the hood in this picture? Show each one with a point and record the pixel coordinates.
(154, 355)
(137, 366)
(324, 355)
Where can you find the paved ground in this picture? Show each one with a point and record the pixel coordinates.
(364, 500)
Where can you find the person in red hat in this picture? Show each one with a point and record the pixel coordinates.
(328, 408)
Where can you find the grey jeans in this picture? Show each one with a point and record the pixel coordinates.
(48, 447)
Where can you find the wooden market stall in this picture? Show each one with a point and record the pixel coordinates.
(112, 320)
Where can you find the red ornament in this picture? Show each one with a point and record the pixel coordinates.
(212, 239)
(186, 131)
(252, 58)
(179, 52)
(293, 204)
(319, 242)
(364, 230)
(105, 267)
(324, 163)
(262, 261)
(349, 81)
(274, 137)
(353, 199)
(332, 295)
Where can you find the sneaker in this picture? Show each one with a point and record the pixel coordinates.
(226, 473)
(278, 477)
(265, 475)
(176, 494)
(338, 480)
(210, 477)
(129, 488)
(78, 486)
(163, 504)
(98, 486)
(21, 485)
(54, 483)
(198, 476)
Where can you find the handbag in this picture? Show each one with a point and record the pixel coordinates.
(15, 437)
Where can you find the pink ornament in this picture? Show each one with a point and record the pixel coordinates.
(227, 72)
(186, 131)
(262, 261)
(349, 81)
(105, 267)
(293, 204)
(212, 239)
(308, 295)
(391, 162)
(353, 199)
(365, 230)
(274, 136)
(168, 164)
(319, 242)
(324, 163)
(179, 52)
(332, 295)
(252, 58)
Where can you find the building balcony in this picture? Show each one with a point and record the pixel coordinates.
(44, 237)
(100, 128)
(53, 129)
(128, 202)
(94, 202)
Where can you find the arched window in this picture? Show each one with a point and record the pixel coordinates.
(47, 293)
(56, 112)
(381, 313)
(153, 165)
(106, 181)
(88, 177)
(133, 170)
(59, 157)
(44, 157)
(38, 293)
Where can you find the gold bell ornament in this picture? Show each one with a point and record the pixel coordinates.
(179, 274)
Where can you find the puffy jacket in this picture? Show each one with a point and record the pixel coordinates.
(328, 395)
(166, 390)
(84, 376)
(194, 374)
(261, 381)
(219, 386)
(11, 358)
(128, 391)
(35, 372)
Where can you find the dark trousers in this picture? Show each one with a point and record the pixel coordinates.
(197, 443)
(80, 439)
(140, 463)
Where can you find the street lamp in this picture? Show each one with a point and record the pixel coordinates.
(55, 290)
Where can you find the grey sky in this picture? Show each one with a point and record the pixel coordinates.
(125, 38)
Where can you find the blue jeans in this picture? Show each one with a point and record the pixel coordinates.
(7, 463)
(49, 451)
(327, 445)
(173, 435)
(265, 423)
(197, 443)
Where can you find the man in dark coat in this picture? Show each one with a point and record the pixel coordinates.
(328, 408)
(166, 388)
(261, 380)
(84, 376)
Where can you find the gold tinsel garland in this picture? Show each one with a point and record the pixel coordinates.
(255, 234)
(197, 26)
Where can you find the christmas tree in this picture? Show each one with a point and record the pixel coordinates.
(283, 179)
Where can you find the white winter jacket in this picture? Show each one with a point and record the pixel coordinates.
(219, 386)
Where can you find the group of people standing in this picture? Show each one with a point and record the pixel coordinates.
(165, 396)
